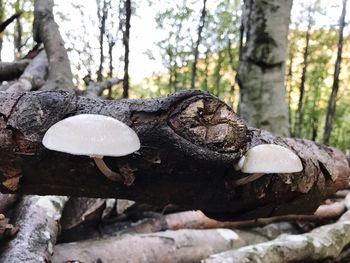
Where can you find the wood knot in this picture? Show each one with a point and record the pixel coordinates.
(206, 121)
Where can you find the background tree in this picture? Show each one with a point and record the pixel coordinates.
(335, 87)
(261, 68)
(199, 39)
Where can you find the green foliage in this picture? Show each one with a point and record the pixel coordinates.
(218, 54)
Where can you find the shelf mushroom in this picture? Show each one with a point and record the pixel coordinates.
(267, 159)
(95, 136)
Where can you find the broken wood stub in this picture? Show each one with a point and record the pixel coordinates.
(206, 121)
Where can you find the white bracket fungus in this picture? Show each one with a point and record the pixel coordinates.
(95, 136)
(267, 159)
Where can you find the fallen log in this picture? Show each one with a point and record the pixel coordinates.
(325, 242)
(36, 218)
(170, 246)
(190, 145)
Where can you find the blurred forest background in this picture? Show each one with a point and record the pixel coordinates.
(159, 47)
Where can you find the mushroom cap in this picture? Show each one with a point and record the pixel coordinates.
(92, 135)
(270, 158)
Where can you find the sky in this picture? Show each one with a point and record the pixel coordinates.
(144, 32)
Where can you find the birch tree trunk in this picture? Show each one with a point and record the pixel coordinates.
(262, 64)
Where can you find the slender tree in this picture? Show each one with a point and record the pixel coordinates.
(126, 38)
(300, 113)
(18, 34)
(332, 100)
(2, 15)
(196, 48)
(102, 12)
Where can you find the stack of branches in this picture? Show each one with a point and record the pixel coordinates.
(191, 145)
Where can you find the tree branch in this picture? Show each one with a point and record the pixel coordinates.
(12, 70)
(45, 30)
(190, 141)
(8, 21)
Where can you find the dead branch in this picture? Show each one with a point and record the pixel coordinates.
(95, 89)
(45, 30)
(321, 243)
(181, 155)
(12, 70)
(33, 76)
(36, 217)
(8, 21)
(170, 246)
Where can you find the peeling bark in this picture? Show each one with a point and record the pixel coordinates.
(190, 141)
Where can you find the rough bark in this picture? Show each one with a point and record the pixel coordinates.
(170, 246)
(37, 219)
(261, 67)
(333, 98)
(12, 70)
(45, 30)
(33, 76)
(126, 43)
(196, 48)
(7, 201)
(190, 142)
(321, 243)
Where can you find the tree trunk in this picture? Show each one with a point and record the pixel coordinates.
(126, 41)
(111, 44)
(217, 75)
(18, 32)
(300, 114)
(199, 39)
(102, 22)
(2, 16)
(234, 69)
(190, 141)
(332, 100)
(261, 67)
(206, 70)
(45, 30)
(290, 90)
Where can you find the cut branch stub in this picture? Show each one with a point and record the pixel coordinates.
(206, 121)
